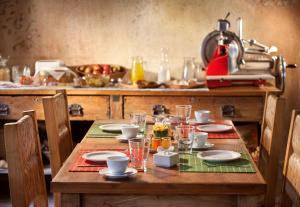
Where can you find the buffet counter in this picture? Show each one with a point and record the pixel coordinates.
(239, 103)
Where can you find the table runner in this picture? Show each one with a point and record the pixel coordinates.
(191, 163)
(96, 132)
(82, 165)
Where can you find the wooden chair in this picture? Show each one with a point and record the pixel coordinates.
(291, 170)
(25, 167)
(58, 132)
(271, 142)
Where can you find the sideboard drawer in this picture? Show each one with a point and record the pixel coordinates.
(234, 108)
(92, 107)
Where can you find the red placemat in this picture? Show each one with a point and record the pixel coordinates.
(82, 165)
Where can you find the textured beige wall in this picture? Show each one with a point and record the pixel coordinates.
(112, 31)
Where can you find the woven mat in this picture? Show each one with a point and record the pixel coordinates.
(191, 163)
(82, 165)
(96, 132)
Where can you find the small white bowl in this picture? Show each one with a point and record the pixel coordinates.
(117, 164)
(130, 131)
(202, 116)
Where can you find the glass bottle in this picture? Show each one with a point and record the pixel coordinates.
(188, 69)
(4, 70)
(164, 69)
(137, 69)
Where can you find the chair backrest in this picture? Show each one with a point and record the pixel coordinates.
(25, 167)
(291, 169)
(271, 144)
(58, 129)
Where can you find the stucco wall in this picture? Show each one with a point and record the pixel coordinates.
(112, 31)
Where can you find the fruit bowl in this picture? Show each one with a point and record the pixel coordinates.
(109, 70)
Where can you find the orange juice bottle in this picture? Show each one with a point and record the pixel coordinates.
(137, 69)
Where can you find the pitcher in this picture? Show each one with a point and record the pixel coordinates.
(137, 69)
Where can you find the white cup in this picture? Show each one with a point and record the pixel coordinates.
(200, 138)
(117, 164)
(130, 131)
(202, 116)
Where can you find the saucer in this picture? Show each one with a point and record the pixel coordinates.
(207, 145)
(122, 138)
(130, 172)
(194, 121)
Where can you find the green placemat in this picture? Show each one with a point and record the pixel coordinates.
(191, 163)
(96, 132)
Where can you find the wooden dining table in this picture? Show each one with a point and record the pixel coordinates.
(158, 186)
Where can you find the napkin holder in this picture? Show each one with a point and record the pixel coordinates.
(165, 159)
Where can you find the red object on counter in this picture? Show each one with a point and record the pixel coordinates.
(218, 65)
(106, 70)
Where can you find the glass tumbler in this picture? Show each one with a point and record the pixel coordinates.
(139, 150)
(183, 112)
(139, 119)
(188, 72)
(185, 138)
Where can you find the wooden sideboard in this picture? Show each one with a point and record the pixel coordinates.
(240, 104)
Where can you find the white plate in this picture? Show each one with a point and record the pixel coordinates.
(214, 128)
(194, 121)
(130, 172)
(218, 155)
(113, 127)
(101, 156)
(207, 145)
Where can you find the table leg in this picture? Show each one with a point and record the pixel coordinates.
(70, 200)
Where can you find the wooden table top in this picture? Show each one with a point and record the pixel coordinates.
(157, 181)
(224, 91)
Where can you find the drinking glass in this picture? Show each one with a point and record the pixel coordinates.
(166, 142)
(139, 150)
(139, 119)
(184, 112)
(188, 69)
(185, 137)
(15, 73)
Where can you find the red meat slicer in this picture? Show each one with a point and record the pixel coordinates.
(228, 62)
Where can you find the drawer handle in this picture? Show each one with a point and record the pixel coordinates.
(228, 111)
(159, 109)
(4, 109)
(75, 110)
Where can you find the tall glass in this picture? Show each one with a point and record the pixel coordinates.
(188, 72)
(183, 112)
(137, 69)
(185, 138)
(139, 150)
(139, 119)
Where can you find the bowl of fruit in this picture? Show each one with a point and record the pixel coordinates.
(111, 71)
